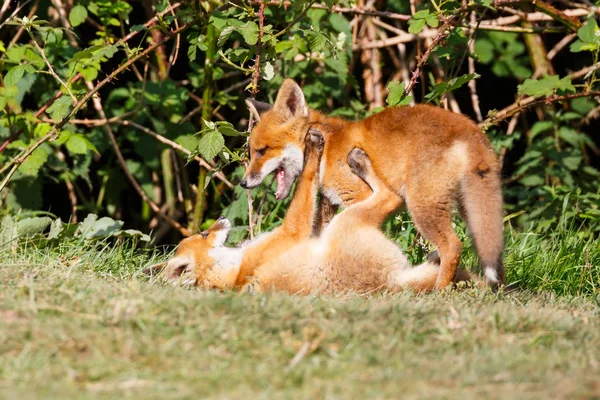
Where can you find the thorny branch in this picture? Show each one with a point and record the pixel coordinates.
(253, 92)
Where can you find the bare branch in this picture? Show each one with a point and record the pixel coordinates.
(98, 106)
(527, 103)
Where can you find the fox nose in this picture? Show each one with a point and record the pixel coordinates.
(221, 218)
(244, 183)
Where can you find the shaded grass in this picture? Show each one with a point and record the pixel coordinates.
(81, 322)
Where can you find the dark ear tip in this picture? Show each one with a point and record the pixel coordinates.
(259, 106)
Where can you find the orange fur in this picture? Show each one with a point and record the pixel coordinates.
(430, 157)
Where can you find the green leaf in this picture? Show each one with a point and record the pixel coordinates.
(570, 136)
(442, 88)
(77, 15)
(14, 75)
(432, 21)
(8, 230)
(546, 86)
(79, 144)
(56, 228)
(532, 180)
(34, 162)
(416, 26)
(249, 32)
(316, 40)
(33, 226)
(396, 90)
(572, 162)
(423, 14)
(60, 108)
(92, 227)
(587, 33)
(105, 52)
(190, 142)
(578, 46)
(539, 127)
(484, 49)
(211, 144)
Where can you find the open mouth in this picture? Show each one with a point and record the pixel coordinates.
(284, 183)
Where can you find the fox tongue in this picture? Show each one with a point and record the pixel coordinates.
(280, 175)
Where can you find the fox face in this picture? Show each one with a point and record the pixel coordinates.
(202, 259)
(277, 141)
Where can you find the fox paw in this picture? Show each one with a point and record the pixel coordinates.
(315, 141)
(359, 162)
(314, 146)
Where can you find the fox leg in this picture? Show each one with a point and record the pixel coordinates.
(433, 219)
(298, 221)
(376, 208)
(325, 213)
(300, 218)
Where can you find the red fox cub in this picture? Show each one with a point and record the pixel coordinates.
(350, 255)
(430, 157)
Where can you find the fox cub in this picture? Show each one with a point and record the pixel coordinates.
(351, 254)
(430, 157)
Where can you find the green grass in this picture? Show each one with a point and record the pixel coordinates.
(79, 322)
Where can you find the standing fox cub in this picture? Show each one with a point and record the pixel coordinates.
(350, 255)
(430, 157)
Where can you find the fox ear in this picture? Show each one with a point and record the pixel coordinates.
(256, 108)
(290, 100)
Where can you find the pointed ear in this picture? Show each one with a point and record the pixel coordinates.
(256, 108)
(290, 100)
(155, 269)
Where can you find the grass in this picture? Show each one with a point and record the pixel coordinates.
(79, 322)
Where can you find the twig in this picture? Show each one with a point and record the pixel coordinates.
(70, 190)
(529, 102)
(298, 18)
(5, 6)
(156, 35)
(51, 69)
(14, 12)
(17, 36)
(151, 22)
(62, 14)
(175, 146)
(77, 76)
(442, 33)
(472, 84)
(342, 10)
(253, 92)
(560, 45)
(17, 162)
(37, 114)
(113, 141)
(175, 52)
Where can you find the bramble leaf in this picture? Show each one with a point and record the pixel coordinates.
(14, 75)
(60, 108)
(78, 15)
(211, 144)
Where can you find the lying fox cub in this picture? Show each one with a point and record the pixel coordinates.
(350, 255)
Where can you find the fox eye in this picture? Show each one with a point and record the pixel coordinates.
(262, 151)
(205, 234)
